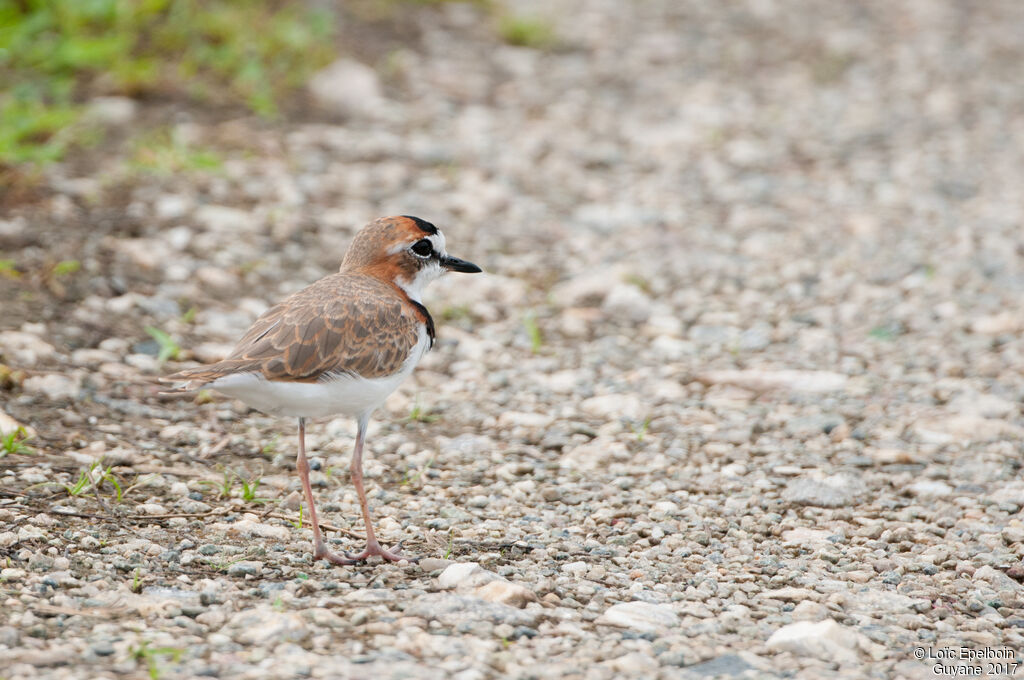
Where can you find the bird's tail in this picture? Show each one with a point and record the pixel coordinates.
(192, 379)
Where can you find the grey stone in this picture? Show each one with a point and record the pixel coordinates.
(246, 568)
(727, 665)
(455, 609)
(834, 491)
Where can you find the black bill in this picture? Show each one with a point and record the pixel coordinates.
(456, 265)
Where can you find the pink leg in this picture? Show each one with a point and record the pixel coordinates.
(320, 551)
(373, 547)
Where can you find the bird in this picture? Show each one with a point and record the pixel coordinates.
(340, 346)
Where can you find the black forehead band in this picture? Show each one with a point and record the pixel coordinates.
(425, 227)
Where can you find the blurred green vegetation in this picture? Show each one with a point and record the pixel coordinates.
(55, 54)
(526, 31)
(163, 152)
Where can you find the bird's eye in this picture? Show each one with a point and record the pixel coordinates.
(423, 247)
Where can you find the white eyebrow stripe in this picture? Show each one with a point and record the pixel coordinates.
(440, 245)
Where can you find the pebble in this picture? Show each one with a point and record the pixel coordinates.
(835, 491)
(246, 568)
(809, 611)
(576, 569)
(9, 425)
(23, 349)
(611, 406)
(111, 110)
(825, 640)
(263, 626)
(928, 488)
(643, 617)
(463, 575)
(347, 87)
(221, 218)
(250, 528)
(806, 537)
(430, 564)
(453, 610)
(628, 303)
(727, 665)
(503, 592)
(633, 664)
(53, 386)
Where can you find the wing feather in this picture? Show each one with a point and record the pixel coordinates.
(343, 323)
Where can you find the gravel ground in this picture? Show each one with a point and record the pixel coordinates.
(739, 395)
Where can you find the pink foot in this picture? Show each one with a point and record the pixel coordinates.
(322, 553)
(374, 548)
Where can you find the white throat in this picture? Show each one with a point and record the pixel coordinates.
(414, 288)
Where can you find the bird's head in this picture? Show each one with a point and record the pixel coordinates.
(407, 250)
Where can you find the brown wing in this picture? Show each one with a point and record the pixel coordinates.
(340, 324)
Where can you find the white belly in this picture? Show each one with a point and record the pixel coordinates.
(344, 394)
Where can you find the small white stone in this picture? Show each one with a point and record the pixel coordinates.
(826, 640)
(984, 405)
(736, 613)
(997, 324)
(594, 454)
(644, 617)
(671, 348)
(54, 386)
(633, 664)
(143, 362)
(577, 569)
(178, 237)
(224, 219)
(92, 357)
(9, 424)
(30, 533)
(263, 626)
(505, 592)
(610, 406)
(997, 579)
(524, 419)
(11, 574)
(112, 110)
(122, 304)
(463, 575)
(627, 303)
(117, 346)
(212, 618)
(171, 206)
(966, 429)
(806, 537)
(24, 349)
(790, 594)
(664, 509)
(247, 528)
(1013, 533)
(810, 611)
(930, 488)
(347, 87)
